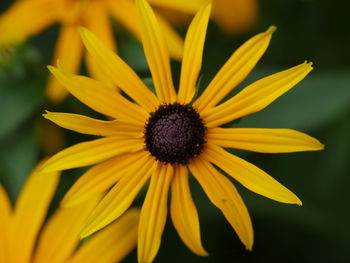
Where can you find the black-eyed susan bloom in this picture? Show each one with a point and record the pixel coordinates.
(25, 238)
(163, 136)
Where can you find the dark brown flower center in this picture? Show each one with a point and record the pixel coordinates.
(174, 133)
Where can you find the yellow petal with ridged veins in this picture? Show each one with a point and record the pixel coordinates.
(5, 217)
(91, 152)
(192, 60)
(68, 51)
(249, 175)
(99, 97)
(100, 178)
(154, 213)
(256, 96)
(111, 244)
(263, 140)
(119, 72)
(184, 213)
(235, 70)
(120, 197)
(86, 125)
(224, 195)
(30, 212)
(156, 52)
(61, 233)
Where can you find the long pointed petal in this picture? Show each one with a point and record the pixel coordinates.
(224, 195)
(192, 60)
(249, 175)
(69, 51)
(153, 214)
(263, 140)
(100, 178)
(184, 213)
(119, 72)
(256, 96)
(91, 152)
(86, 125)
(120, 197)
(156, 52)
(111, 244)
(99, 97)
(5, 217)
(235, 70)
(30, 212)
(61, 233)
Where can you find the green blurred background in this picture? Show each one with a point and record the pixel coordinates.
(320, 105)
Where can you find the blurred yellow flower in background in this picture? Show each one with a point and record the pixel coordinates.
(25, 238)
(164, 136)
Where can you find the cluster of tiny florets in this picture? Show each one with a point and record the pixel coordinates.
(174, 133)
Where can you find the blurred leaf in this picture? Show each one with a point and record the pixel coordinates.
(312, 104)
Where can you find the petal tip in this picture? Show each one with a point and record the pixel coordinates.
(271, 29)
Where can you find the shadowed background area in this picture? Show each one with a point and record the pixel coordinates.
(313, 30)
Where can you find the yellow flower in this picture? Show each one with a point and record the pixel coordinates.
(23, 239)
(29, 17)
(161, 137)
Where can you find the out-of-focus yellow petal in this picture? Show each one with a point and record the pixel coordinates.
(156, 52)
(100, 178)
(119, 72)
(68, 51)
(249, 175)
(153, 214)
(60, 236)
(86, 125)
(256, 96)
(91, 152)
(120, 197)
(224, 195)
(192, 60)
(30, 212)
(111, 244)
(263, 140)
(99, 97)
(25, 18)
(235, 70)
(235, 16)
(181, 5)
(184, 213)
(130, 21)
(5, 217)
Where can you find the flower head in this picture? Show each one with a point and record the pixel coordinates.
(25, 238)
(163, 136)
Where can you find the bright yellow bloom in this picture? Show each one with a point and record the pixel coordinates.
(24, 238)
(161, 137)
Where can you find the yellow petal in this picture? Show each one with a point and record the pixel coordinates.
(111, 244)
(68, 51)
(263, 140)
(192, 60)
(249, 175)
(184, 213)
(130, 21)
(60, 236)
(99, 97)
(224, 195)
(119, 72)
(100, 178)
(256, 96)
(30, 212)
(181, 5)
(25, 18)
(235, 70)
(86, 125)
(156, 52)
(5, 217)
(120, 197)
(153, 214)
(91, 152)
